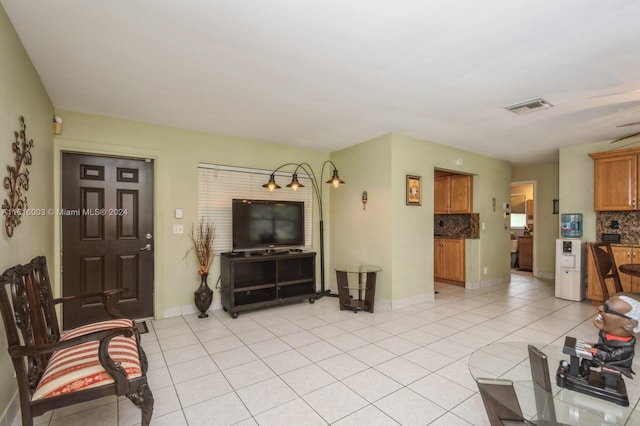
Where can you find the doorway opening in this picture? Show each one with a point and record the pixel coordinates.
(522, 220)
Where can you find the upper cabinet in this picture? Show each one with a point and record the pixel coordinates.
(616, 180)
(453, 193)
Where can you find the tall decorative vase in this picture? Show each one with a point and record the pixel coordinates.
(203, 296)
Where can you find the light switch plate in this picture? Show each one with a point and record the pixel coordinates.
(178, 213)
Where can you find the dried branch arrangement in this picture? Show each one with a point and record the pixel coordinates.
(202, 237)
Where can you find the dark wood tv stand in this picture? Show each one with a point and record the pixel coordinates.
(257, 280)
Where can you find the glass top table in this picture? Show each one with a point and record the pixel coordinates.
(358, 269)
(510, 360)
(365, 286)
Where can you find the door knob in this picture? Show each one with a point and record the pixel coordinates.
(147, 247)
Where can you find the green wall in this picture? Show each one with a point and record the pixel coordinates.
(388, 233)
(22, 94)
(576, 184)
(176, 154)
(399, 237)
(365, 234)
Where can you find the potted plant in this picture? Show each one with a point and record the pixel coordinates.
(202, 238)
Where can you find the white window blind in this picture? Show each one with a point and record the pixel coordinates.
(218, 185)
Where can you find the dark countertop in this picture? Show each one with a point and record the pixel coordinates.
(451, 238)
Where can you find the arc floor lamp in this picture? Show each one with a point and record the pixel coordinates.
(317, 189)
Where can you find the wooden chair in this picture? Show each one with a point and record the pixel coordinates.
(55, 370)
(500, 402)
(606, 268)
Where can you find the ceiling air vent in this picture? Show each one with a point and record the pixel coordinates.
(529, 106)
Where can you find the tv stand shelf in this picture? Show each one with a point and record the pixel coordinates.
(252, 282)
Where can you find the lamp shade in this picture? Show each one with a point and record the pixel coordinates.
(271, 185)
(335, 179)
(294, 183)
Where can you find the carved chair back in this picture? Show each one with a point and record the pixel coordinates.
(29, 316)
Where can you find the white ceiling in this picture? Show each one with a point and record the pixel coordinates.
(327, 74)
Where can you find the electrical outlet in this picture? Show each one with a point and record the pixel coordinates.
(178, 229)
(486, 270)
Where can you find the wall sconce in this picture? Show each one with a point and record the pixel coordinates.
(335, 180)
(57, 125)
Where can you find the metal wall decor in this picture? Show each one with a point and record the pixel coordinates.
(17, 181)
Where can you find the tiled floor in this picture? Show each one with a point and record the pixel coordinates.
(311, 364)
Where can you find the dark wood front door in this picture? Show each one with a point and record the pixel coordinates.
(107, 235)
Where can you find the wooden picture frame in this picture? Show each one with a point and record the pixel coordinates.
(414, 190)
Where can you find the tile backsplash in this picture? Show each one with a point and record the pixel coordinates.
(628, 226)
(457, 225)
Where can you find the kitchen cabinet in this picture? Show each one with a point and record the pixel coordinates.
(525, 253)
(622, 255)
(449, 259)
(616, 180)
(453, 193)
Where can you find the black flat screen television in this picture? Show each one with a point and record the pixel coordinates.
(266, 224)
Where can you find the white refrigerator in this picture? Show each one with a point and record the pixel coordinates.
(571, 269)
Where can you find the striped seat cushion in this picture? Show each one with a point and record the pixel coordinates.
(78, 368)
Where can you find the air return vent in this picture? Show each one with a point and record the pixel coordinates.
(529, 106)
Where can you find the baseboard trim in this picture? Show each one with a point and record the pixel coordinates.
(487, 283)
(11, 415)
(414, 300)
(177, 311)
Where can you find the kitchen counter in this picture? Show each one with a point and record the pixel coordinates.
(464, 226)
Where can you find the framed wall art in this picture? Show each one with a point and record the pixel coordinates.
(414, 190)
